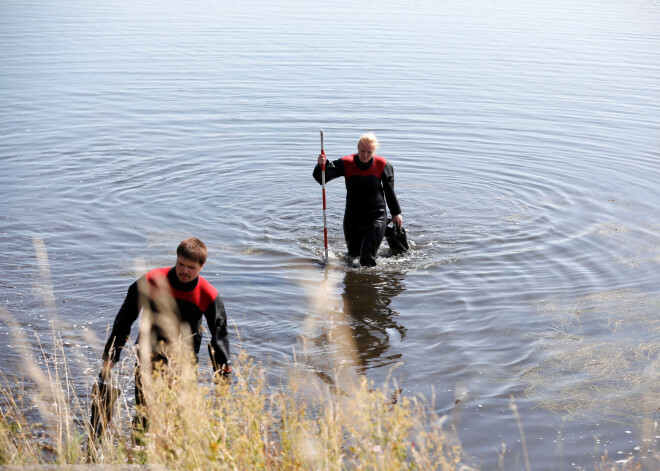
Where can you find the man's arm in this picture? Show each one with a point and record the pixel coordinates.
(390, 196)
(121, 329)
(333, 170)
(216, 318)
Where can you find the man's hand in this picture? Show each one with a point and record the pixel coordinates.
(222, 376)
(398, 219)
(225, 371)
(322, 160)
(106, 371)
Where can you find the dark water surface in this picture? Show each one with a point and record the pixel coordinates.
(525, 138)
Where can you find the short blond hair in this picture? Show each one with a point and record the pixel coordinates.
(369, 137)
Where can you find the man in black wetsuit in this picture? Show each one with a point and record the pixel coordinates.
(369, 185)
(187, 297)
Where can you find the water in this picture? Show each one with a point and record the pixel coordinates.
(526, 147)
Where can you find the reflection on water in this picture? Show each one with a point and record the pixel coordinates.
(356, 332)
(374, 324)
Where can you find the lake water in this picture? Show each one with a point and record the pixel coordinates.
(525, 138)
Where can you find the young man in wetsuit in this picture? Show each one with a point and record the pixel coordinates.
(369, 185)
(176, 299)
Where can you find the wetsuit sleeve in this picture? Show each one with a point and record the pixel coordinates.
(121, 329)
(333, 170)
(388, 186)
(216, 318)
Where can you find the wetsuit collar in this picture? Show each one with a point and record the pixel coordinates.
(362, 165)
(177, 284)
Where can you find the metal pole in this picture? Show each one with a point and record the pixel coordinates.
(325, 223)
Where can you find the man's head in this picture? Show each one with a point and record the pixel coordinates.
(190, 258)
(367, 146)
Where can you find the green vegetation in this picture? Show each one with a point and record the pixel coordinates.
(602, 354)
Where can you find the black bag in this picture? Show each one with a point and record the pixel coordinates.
(104, 396)
(396, 238)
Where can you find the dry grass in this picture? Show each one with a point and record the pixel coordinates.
(242, 424)
(342, 422)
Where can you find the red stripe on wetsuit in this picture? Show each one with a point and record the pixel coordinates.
(351, 168)
(201, 296)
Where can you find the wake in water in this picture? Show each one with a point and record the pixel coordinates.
(426, 250)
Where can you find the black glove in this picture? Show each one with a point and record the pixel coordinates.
(104, 375)
(225, 370)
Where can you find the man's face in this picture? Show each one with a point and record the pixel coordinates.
(186, 270)
(366, 151)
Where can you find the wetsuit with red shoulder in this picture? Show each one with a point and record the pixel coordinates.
(194, 300)
(369, 188)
